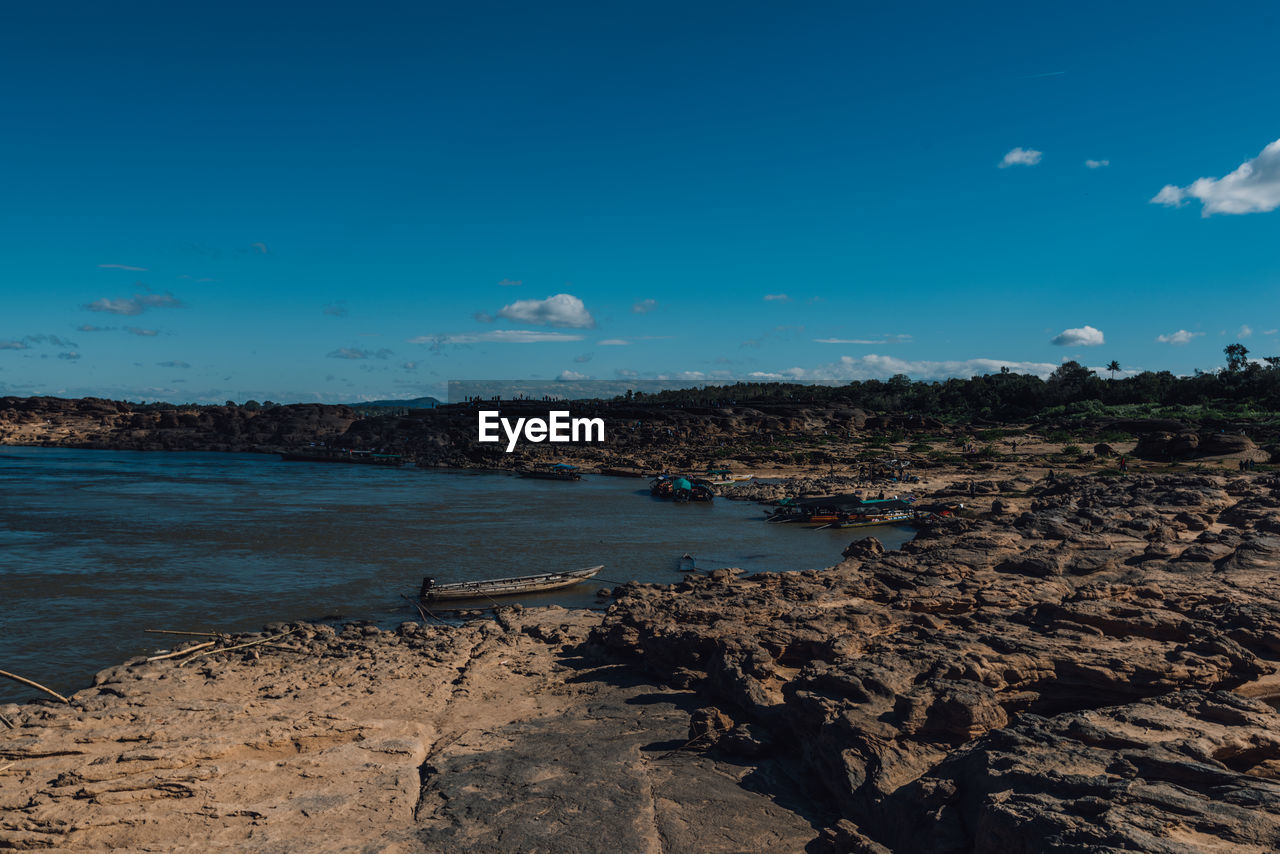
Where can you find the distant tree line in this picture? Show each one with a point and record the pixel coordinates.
(1008, 396)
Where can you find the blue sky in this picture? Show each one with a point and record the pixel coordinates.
(340, 202)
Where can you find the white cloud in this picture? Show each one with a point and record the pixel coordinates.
(1245, 331)
(115, 306)
(874, 366)
(1021, 157)
(777, 298)
(357, 353)
(1169, 195)
(123, 267)
(888, 339)
(613, 342)
(563, 310)
(1097, 164)
(1085, 336)
(498, 336)
(1254, 187)
(135, 305)
(644, 306)
(571, 376)
(511, 283)
(1179, 338)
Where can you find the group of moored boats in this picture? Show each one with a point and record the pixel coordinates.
(323, 454)
(852, 511)
(682, 488)
(559, 471)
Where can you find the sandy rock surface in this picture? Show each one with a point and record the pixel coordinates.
(486, 737)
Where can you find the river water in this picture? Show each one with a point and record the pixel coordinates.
(96, 546)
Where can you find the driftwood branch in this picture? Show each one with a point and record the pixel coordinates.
(192, 634)
(179, 652)
(237, 646)
(17, 678)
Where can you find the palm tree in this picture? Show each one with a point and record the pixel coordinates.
(1113, 367)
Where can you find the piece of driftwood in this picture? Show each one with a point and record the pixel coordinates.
(172, 632)
(179, 652)
(237, 646)
(24, 681)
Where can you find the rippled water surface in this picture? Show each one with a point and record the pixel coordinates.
(96, 546)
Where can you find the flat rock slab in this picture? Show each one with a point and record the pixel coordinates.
(607, 773)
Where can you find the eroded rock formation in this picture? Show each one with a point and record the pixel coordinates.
(1060, 683)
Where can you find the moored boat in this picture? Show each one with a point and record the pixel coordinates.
(867, 520)
(560, 471)
(681, 489)
(433, 592)
(724, 477)
(844, 511)
(622, 471)
(318, 454)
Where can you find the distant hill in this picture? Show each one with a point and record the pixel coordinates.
(415, 403)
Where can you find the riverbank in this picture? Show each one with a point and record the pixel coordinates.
(1089, 663)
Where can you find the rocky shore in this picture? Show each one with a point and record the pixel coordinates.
(1083, 665)
(767, 438)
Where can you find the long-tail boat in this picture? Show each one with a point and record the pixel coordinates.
(844, 511)
(319, 454)
(433, 592)
(724, 477)
(622, 471)
(559, 471)
(888, 512)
